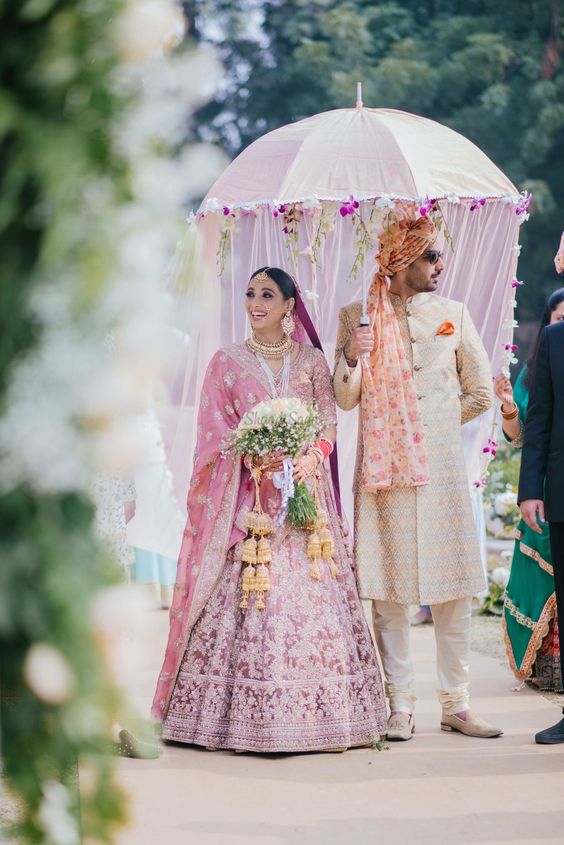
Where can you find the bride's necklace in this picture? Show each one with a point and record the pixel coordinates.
(270, 350)
(278, 382)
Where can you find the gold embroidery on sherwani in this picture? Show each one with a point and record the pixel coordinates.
(420, 545)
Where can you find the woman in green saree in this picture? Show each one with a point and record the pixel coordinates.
(529, 616)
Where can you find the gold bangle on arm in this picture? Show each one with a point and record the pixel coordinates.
(518, 442)
(319, 454)
(510, 415)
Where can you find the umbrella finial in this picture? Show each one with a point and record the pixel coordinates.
(359, 103)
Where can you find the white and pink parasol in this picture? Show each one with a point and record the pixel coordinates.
(312, 197)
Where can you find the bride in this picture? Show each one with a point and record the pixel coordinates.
(302, 673)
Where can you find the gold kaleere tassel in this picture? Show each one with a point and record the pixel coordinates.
(322, 520)
(327, 544)
(261, 585)
(333, 568)
(249, 578)
(328, 550)
(249, 554)
(251, 522)
(264, 551)
(314, 553)
(324, 533)
(263, 524)
(256, 553)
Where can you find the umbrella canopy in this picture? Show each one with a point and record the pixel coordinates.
(361, 151)
(312, 197)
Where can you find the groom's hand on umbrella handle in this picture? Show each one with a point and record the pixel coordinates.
(361, 342)
(529, 510)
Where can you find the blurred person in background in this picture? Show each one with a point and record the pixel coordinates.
(157, 514)
(529, 617)
(541, 481)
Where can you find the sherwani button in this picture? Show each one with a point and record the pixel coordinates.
(417, 367)
(413, 339)
(345, 378)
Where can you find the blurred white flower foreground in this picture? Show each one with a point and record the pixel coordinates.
(74, 404)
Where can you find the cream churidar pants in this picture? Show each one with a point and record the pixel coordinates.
(452, 634)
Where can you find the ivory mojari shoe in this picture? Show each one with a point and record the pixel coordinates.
(473, 725)
(400, 727)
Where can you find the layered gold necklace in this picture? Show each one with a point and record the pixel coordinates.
(270, 350)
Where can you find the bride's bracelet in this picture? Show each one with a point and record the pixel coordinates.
(325, 446)
(510, 415)
(315, 450)
(305, 460)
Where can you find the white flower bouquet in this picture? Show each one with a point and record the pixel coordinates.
(285, 426)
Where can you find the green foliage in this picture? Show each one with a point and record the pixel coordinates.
(301, 507)
(56, 111)
(493, 602)
(500, 493)
(480, 66)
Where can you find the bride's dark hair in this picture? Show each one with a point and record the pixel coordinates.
(282, 279)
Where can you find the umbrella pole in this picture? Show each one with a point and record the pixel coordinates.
(359, 103)
(364, 320)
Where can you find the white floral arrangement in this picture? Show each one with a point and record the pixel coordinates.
(502, 512)
(283, 424)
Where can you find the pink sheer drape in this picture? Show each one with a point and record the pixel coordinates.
(210, 313)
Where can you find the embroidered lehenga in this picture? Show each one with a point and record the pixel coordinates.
(300, 675)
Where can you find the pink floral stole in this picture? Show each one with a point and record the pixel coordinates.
(218, 488)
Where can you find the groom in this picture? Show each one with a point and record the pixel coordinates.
(419, 372)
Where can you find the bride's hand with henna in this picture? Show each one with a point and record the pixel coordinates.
(271, 462)
(305, 465)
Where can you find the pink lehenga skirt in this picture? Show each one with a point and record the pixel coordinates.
(301, 675)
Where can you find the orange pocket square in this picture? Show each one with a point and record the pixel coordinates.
(446, 328)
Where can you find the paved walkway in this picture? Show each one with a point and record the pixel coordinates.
(438, 788)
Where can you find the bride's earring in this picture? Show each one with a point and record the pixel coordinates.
(288, 324)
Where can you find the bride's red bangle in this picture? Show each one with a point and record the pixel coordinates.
(325, 446)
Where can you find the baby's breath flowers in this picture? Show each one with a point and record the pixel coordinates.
(284, 426)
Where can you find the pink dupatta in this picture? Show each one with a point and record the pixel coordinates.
(217, 491)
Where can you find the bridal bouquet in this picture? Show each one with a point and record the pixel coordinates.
(283, 425)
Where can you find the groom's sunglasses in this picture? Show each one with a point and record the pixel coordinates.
(432, 255)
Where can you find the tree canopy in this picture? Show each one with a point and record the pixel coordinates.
(489, 69)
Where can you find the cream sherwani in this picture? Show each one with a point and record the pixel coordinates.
(419, 545)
